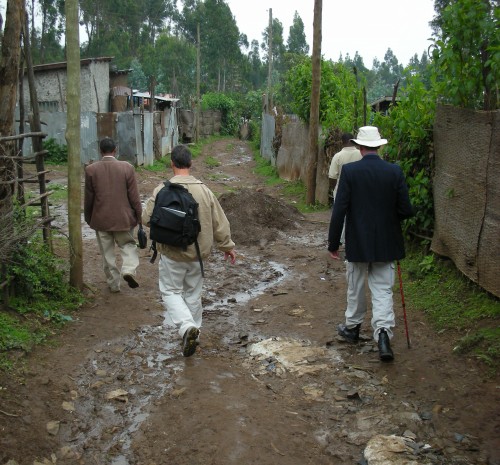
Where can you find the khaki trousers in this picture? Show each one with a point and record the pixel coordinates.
(128, 251)
(181, 284)
(380, 281)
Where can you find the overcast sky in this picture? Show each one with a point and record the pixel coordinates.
(368, 27)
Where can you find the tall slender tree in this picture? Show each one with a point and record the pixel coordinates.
(296, 42)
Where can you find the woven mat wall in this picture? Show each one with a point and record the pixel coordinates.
(467, 193)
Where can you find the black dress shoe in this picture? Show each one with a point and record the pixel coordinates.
(350, 335)
(384, 347)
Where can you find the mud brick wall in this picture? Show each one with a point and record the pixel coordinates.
(292, 158)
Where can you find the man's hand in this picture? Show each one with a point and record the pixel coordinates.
(335, 255)
(232, 254)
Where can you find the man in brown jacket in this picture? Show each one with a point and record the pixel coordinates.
(180, 276)
(112, 207)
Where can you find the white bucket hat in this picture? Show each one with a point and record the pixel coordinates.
(368, 136)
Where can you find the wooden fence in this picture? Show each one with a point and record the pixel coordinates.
(14, 179)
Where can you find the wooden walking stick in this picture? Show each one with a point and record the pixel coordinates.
(403, 302)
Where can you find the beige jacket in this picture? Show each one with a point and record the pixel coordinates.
(215, 229)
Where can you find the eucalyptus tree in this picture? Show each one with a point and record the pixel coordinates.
(296, 42)
(47, 23)
(256, 73)
(173, 61)
(120, 28)
(279, 48)
(220, 41)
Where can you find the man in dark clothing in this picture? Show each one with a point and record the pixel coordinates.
(373, 198)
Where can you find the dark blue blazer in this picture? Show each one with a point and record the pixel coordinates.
(373, 198)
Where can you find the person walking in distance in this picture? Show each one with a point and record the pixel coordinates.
(373, 199)
(112, 207)
(180, 274)
(348, 154)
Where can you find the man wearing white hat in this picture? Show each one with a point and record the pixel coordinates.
(373, 199)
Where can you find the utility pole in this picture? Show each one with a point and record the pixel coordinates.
(270, 62)
(314, 113)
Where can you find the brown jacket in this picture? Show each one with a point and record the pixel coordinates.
(215, 229)
(112, 201)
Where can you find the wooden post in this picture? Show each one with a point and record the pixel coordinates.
(37, 141)
(314, 113)
(73, 141)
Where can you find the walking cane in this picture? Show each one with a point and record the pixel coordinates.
(403, 302)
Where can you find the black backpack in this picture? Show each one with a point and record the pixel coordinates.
(175, 220)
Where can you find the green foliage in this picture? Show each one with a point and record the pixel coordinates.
(408, 127)
(427, 265)
(42, 299)
(219, 40)
(483, 344)
(16, 333)
(40, 286)
(452, 301)
(466, 54)
(57, 154)
(226, 105)
(296, 42)
(295, 191)
(337, 94)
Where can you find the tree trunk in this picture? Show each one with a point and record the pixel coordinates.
(314, 113)
(9, 72)
(73, 140)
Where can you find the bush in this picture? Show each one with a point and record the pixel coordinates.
(226, 105)
(40, 286)
(58, 154)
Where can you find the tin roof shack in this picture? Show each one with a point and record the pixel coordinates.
(382, 104)
(51, 84)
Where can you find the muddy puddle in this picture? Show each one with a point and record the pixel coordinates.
(120, 384)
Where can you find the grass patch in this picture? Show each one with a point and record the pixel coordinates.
(158, 165)
(42, 300)
(212, 162)
(451, 301)
(216, 177)
(60, 192)
(294, 190)
(197, 148)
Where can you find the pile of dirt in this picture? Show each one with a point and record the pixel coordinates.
(256, 218)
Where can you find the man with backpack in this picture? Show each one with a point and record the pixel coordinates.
(180, 264)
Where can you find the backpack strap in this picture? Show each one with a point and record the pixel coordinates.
(155, 252)
(199, 256)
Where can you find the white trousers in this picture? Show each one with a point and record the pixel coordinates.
(128, 250)
(380, 282)
(181, 284)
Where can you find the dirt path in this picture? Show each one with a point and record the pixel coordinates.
(270, 382)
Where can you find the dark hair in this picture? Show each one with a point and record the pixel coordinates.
(107, 145)
(346, 138)
(181, 157)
